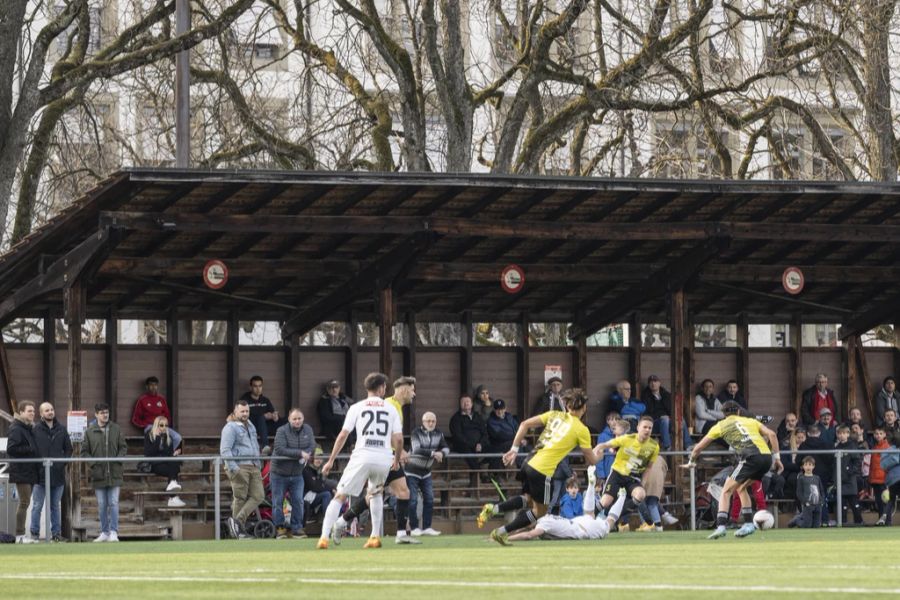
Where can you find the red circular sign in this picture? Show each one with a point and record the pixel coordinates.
(512, 279)
(792, 280)
(215, 274)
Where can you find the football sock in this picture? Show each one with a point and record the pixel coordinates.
(376, 508)
(331, 515)
(615, 510)
(721, 519)
(523, 519)
(402, 513)
(357, 507)
(747, 513)
(514, 503)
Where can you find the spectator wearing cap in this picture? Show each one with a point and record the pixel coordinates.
(501, 429)
(427, 446)
(332, 408)
(816, 398)
(150, 405)
(887, 399)
(659, 406)
(552, 398)
(827, 427)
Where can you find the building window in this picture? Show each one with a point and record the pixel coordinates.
(140, 331)
(615, 335)
(93, 331)
(259, 333)
(24, 331)
(329, 333)
(439, 334)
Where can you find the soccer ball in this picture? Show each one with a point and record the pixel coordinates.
(764, 519)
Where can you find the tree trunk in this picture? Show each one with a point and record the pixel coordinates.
(876, 17)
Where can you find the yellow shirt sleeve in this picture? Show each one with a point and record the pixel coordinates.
(584, 438)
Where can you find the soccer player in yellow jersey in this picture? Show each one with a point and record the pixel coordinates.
(563, 432)
(747, 437)
(635, 452)
(404, 393)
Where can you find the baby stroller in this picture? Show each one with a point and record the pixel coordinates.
(707, 498)
(259, 524)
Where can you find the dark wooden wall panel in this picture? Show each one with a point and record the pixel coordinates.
(720, 366)
(268, 364)
(769, 377)
(437, 386)
(604, 370)
(315, 370)
(497, 370)
(654, 362)
(881, 364)
(203, 386)
(27, 366)
(135, 366)
(367, 362)
(93, 382)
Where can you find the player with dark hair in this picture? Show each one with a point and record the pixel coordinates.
(744, 436)
(563, 432)
(635, 453)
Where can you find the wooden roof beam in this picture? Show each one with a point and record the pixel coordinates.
(885, 311)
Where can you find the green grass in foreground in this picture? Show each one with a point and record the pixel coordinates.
(782, 563)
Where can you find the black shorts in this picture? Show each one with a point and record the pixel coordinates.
(752, 467)
(394, 476)
(616, 481)
(536, 484)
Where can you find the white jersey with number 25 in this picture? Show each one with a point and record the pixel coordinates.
(375, 421)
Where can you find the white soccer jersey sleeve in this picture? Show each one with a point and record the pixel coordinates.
(375, 422)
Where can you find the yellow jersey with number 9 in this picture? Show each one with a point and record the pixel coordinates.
(562, 433)
(633, 456)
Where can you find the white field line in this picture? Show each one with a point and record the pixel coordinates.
(463, 584)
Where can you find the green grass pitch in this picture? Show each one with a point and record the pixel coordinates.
(773, 564)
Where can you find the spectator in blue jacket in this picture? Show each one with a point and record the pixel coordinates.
(614, 428)
(501, 429)
(628, 406)
(240, 449)
(571, 504)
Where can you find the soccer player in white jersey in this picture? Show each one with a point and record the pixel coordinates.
(584, 527)
(379, 442)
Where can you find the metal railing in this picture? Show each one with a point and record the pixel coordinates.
(218, 460)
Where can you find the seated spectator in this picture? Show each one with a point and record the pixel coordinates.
(659, 406)
(501, 430)
(851, 468)
(158, 442)
(427, 447)
(319, 489)
(552, 398)
(571, 505)
(614, 428)
(816, 398)
(332, 408)
(707, 407)
(790, 458)
(294, 447)
(468, 432)
(150, 405)
(482, 403)
(787, 426)
(262, 413)
(810, 495)
(618, 397)
(887, 399)
(892, 427)
(625, 404)
(827, 428)
(732, 393)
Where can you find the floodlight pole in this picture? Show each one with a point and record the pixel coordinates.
(182, 89)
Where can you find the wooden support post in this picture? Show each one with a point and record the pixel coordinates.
(796, 341)
(850, 350)
(385, 301)
(49, 359)
(173, 342)
(291, 387)
(743, 356)
(409, 362)
(581, 370)
(74, 298)
(111, 360)
(676, 311)
(352, 358)
(868, 391)
(896, 369)
(690, 339)
(466, 355)
(234, 361)
(634, 355)
(6, 377)
(522, 370)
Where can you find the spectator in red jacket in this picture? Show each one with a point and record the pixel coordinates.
(149, 406)
(816, 398)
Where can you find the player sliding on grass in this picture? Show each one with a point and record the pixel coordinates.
(635, 452)
(584, 527)
(563, 431)
(745, 437)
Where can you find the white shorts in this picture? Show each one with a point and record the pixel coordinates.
(579, 528)
(362, 469)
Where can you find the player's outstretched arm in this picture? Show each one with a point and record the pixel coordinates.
(339, 442)
(510, 457)
(773, 443)
(698, 448)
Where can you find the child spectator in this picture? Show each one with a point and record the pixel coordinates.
(850, 471)
(809, 494)
(571, 504)
(614, 428)
(877, 475)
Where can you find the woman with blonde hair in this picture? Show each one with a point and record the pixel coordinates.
(158, 442)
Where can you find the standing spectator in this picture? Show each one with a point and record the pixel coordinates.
(52, 442)
(854, 417)
(427, 447)
(707, 407)
(239, 448)
(501, 430)
(296, 442)
(877, 476)
(21, 444)
(816, 398)
(810, 494)
(571, 504)
(150, 405)
(552, 398)
(732, 393)
(261, 412)
(104, 439)
(659, 406)
(892, 428)
(787, 427)
(159, 443)
(468, 431)
(851, 467)
(827, 428)
(887, 399)
(332, 408)
(319, 489)
(482, 403)
(823, 462)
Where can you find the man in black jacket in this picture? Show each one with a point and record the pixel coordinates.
(468, 431)
(659, 406)
(294, 445)
(332, 409)
(52, 442)
(20, 443)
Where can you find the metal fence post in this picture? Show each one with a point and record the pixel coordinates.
(693, 471)
(217, 466)
(47, 505)
(837, 491)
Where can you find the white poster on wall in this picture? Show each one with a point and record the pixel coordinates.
(552, 371)
(76, 423)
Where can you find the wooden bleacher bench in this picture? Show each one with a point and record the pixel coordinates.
(176, 518)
